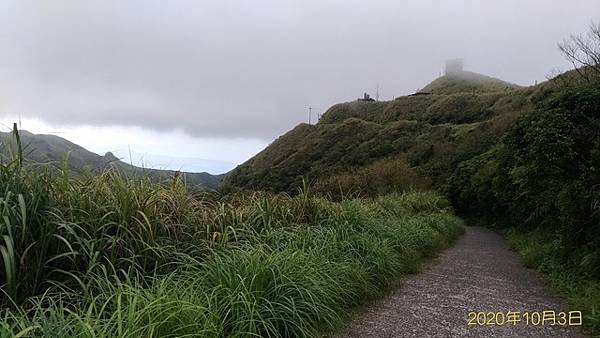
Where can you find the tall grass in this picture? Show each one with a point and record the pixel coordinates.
(108, 256)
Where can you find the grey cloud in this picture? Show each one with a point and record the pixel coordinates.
(250, 68)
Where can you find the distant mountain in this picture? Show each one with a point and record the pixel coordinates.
(453, 118)
(53, 150)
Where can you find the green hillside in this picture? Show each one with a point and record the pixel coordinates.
(458, 118)
(53, 150)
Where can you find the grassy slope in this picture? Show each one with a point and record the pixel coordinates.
(126, 258)
(51, 149)
(435, 131)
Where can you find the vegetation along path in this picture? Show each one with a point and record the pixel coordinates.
(478, 274)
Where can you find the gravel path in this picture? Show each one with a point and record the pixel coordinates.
(478, 273)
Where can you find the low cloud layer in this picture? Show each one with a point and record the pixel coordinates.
(250, 69)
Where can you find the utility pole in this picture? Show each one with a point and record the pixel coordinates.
(309, 113)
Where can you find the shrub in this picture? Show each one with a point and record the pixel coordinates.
(382, 177)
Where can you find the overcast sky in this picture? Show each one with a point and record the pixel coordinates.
(244, 72)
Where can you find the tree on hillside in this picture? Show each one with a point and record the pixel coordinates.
(583, 51)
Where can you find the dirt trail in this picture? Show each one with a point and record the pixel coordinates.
(478, 273)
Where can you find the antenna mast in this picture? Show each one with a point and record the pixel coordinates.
(377, 93)
(309, 113)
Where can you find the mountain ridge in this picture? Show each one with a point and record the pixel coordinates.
(452, 118)
(54, 150)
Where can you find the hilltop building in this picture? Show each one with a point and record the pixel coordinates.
(366, 98)
(454, 67)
